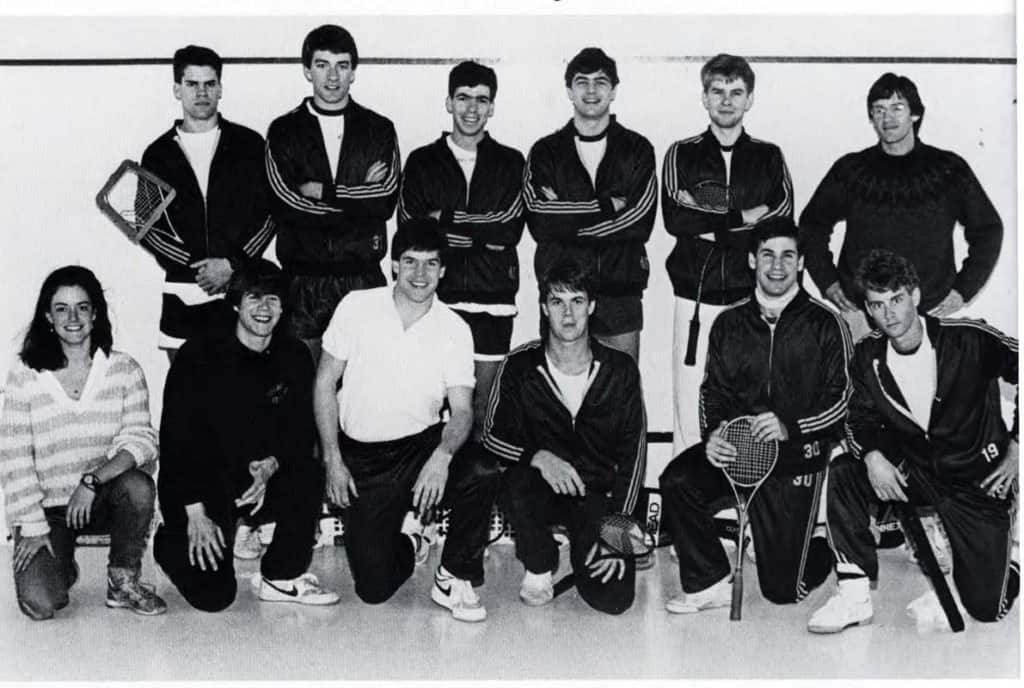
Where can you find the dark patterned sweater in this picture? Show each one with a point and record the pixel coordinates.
(908, 204)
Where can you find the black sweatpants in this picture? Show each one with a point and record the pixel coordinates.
(532, 507)
(293, 499)
(978, 528)
(782, 516)
(380, 556)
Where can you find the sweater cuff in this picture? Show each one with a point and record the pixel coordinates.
(734, 218)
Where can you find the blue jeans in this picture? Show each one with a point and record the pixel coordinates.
(123, 507)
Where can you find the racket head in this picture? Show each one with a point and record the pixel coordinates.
(624, 536)
(755, 460)
(134, 198)
(711, 194)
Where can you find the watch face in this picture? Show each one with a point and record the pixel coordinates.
(90, 480)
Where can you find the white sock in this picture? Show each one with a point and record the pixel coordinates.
(858, 588)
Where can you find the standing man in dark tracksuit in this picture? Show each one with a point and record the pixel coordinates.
(220, 216)
(472, 185)
(781, 356)
(333, 166)
(567, 414)
(708, 266)
(926, 428)
(591, 194)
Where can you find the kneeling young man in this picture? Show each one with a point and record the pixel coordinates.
(926, 429)
(399, 354)
(780, 356)
(568, 413)
(237, 438)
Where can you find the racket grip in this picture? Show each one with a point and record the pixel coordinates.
(691, 343)
(735, 612)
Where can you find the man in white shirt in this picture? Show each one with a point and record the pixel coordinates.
(400, 354)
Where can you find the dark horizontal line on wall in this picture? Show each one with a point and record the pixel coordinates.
(852, 59)
(780, 59)
(129, 61)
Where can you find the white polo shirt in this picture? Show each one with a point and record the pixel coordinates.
(395, 379)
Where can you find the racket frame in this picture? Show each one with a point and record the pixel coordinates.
(743, 500)
(135, 231)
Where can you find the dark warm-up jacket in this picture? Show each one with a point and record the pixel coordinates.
(583, 223)
(607, 441)
(798, 371)
(224, 406)
(233, 222)
(966, 437)
(758, 175)
(908, 204)
(483, 224)
(343, 232)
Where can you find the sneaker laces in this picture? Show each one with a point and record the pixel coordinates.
(463, 592)
(310, 581)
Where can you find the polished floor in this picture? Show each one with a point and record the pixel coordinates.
(411, 638)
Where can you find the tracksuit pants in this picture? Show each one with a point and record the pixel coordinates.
(978, 528)
(293, 499)
(532, 507)
(380, 556)
(782, 515)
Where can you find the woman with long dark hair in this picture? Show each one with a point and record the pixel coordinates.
(76, 450)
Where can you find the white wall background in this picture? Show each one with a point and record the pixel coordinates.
(66, 127)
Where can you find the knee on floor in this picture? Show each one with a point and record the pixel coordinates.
(39, 608)
(213, 601)
(374, 594)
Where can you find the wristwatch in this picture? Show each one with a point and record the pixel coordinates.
(90, 481)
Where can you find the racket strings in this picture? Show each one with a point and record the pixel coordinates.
(754, 459)
(712, 194)
(622, 534)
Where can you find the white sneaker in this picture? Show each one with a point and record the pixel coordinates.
(247, 543)
(421, 536)
(849, 606)
(713, 597)
(266, 532)
(537, 589)
(457, 595)
(302, 590)
(928, 614)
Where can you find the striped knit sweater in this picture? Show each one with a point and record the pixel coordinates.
(48, 440)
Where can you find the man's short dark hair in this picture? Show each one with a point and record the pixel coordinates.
(333, 39)
(258, 277)
(588, 61)
(567, 274)
(472, 74)
(890, 84)
(773, 227)
(418, 234)
(882, 270)
(727, 67)
(197, 56)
